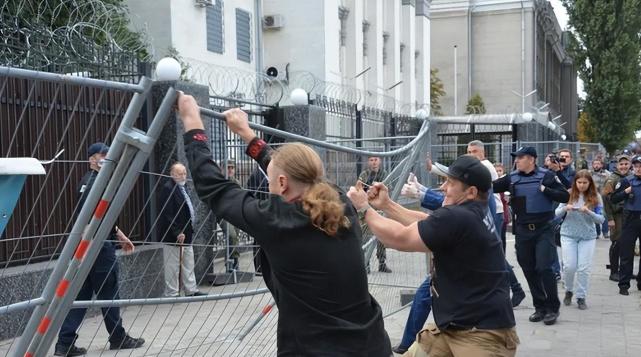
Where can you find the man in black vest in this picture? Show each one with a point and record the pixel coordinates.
(534, 191)
(629, 190)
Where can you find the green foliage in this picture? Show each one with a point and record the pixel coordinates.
(607, 52)
(184, 66)
(101, 22)
(436, 92)
(475, 105)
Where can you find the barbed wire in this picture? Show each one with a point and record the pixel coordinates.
(69, 33)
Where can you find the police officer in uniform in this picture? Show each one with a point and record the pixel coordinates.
(629, 192)
(534, 191)
(614, 212)
(102, 279)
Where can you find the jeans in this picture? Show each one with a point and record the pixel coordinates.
(536, 252)
(421, 307)
(577, 260)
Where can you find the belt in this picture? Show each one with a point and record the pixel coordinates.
(456, 327)
(533, 226)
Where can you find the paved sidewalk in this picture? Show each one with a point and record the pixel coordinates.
(610, 327)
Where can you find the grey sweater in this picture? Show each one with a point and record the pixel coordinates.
(579, 225)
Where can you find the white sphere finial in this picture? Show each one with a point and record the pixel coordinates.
(168, 69)
(563, 137)
(421, 114)
(527, 117)
(298, 97)
(551, 126)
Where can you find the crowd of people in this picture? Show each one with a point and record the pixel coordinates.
(311, 259)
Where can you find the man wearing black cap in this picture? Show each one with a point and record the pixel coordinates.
(614, 212)
(102, 279)
(534, 191)
(629, 192)
(471, 300)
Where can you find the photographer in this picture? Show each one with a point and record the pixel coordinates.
(554, 163)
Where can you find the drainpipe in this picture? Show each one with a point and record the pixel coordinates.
(523, 56)
(258, 16)
(469, 50)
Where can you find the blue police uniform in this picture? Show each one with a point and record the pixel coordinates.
(102, 280)
(534, 230)
(631, 228)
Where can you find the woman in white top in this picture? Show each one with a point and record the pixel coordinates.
(578, 235)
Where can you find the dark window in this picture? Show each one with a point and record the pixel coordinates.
(215, 36)
(243, 35)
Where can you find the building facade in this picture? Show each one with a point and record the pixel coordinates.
(379, 48)
(504, 50)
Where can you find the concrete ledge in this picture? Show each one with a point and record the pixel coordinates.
(141, 275)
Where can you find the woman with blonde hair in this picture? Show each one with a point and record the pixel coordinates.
(310, 236)
(578, 235)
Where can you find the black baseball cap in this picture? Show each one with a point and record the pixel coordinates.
(636, 160)
(97, 148)
(469, 170)
(525, 150)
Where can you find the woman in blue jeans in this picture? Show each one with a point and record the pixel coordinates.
(578, 235)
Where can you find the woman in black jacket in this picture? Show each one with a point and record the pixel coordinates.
(311, 238)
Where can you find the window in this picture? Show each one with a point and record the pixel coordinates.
(243, 36)
(215, 36)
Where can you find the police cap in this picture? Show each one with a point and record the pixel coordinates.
(97, 148)
(525, 150)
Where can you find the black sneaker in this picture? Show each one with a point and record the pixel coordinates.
(581, 304)
(127, 343)
(69, 351)
(614, 276)
(399, 350)
(537, 316)
(550, 318)
(384, 269)
(624, 291)
(517, 298)
(567, 300)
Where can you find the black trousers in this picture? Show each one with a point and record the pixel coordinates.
(535, 252)
(629, 235)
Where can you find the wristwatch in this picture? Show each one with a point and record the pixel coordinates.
(362, 211)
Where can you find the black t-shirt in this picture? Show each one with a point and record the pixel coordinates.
(319, 282)
(470, 286)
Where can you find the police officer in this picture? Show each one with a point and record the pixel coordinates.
(102, 279)
(629, 192)
(534, 191)
(614, 212)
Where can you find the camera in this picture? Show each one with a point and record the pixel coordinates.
(555, 158)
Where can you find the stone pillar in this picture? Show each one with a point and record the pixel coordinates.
(169, 149)
(305, 120)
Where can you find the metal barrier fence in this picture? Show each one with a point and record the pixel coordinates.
(226, 322)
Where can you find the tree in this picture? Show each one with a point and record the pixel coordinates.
(436, 92)
(475, 105)
(584, 130)
(607, 50)
(67, 28)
